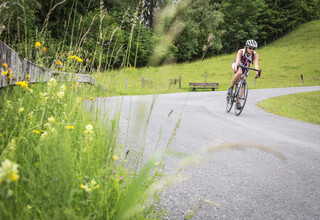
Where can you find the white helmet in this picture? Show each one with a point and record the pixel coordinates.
(251, 43)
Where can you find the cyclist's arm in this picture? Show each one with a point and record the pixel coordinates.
(238, 60)
(256, 62)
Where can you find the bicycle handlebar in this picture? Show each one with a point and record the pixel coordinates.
(259, 71)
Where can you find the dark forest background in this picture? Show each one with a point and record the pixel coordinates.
(114, 34)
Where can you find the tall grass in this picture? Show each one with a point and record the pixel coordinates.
(69, 163)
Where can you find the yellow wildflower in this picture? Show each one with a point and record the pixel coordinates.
(10, 70)
(97, 187)
(44, 49)
(69, 127)
(22, 84)
(80, 60)
(35, 131)
(115, 157)
(91, 98)
(156, 164)
(0, 135)
(82, 186)
(4, 73)
(21, 110)
(38, 44)
(59, 63)
(5, 65)
(14, 176)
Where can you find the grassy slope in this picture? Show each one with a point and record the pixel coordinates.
(282, 62)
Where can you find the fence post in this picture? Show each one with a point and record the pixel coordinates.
(302, 79)
(142, 81)
(205, 80)
(126, 83)
(180, 81)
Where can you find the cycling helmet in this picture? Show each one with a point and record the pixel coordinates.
(251, 43)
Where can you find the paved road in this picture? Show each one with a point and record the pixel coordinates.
(239, 170)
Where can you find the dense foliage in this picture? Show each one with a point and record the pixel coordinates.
(115, 34)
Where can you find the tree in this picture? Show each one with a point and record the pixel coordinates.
(240, 22)
(202, 19)
(273, 20)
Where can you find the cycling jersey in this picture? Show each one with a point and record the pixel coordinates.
(245, 60)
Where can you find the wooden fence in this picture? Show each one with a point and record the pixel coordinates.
(21, 67)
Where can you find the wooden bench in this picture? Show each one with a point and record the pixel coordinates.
(212, 86)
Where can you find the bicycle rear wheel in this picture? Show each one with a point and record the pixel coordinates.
(241, 99)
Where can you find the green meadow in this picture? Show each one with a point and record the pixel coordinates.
(282, 63)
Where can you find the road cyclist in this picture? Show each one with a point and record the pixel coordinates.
(241, 66)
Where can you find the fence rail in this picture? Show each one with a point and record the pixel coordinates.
(21, 67)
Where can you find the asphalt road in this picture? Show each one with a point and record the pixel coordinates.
(254, 166)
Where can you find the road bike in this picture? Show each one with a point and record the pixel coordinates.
(240, 92)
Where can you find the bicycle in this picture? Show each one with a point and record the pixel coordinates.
(236, 95)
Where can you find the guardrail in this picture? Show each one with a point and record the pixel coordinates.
(20, 68)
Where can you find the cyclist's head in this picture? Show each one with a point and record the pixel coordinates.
(252, 43)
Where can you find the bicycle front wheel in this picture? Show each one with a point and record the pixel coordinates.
(242, 96)
(230, 101)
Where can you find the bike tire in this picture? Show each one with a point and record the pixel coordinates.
(230, 101)
(243, 99)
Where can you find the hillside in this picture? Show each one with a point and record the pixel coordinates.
(282, 62)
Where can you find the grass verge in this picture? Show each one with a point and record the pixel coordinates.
(302, 106)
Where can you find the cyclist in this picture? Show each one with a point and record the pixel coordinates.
(244, 57)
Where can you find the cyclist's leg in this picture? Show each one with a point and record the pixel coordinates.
(240, 95)
(236, 77)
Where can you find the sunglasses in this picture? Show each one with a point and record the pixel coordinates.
(251, 48)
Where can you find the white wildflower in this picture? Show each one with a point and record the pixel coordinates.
(9, 171)
(60, 95)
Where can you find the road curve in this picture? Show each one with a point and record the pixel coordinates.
(254, 166)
